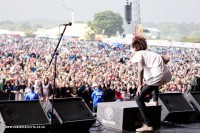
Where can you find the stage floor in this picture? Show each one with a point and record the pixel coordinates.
(165, 128)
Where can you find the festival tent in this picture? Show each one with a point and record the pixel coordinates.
(77, 30)
(12, 33)
(4, 32)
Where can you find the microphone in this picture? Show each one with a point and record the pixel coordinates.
(69, 24)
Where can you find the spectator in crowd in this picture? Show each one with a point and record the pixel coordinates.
(61, 91)
(45, 91)
(8, 87)
(22, 87)
(68, 90)
(31, 95)
(86, 95)
(118, 95)
(16, 89)
(74, 88)
(132, 88)
(109, 94)
(2, 83)
(16, 86)
(97, 96)
(126, 95)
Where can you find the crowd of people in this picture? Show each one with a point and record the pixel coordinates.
(83, 68)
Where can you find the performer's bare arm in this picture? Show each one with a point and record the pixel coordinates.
(140, 77)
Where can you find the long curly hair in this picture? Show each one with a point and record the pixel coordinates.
(139, 43)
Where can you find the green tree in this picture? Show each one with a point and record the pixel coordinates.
(107, 23)
(90, 35)
(29, 33)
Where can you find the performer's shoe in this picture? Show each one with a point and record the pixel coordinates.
(152, 103)
(144, 128)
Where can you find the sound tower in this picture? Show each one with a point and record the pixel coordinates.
(70, 114)
(20, 116)
(128, 13)
(175, 108)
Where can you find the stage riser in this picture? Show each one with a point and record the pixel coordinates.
(126, 115)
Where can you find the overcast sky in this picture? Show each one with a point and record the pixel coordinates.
(151, 10)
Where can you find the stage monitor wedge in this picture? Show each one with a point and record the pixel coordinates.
(175, 108)
(194, 100)
(70, 113)
(17, 116)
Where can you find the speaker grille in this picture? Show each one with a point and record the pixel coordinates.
(128, 13)
(175, 102)
(72, 109)
(23, 113)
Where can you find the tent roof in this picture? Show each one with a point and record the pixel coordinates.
(77, 29)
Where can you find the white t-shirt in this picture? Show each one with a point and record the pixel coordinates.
(155, 71)
(45, 87)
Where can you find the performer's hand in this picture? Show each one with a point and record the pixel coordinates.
(139, 91)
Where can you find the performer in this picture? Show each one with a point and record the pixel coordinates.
(152, 69)
(97, 96)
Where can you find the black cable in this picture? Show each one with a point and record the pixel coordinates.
(169, 124)
(99, 125)
(98, 129)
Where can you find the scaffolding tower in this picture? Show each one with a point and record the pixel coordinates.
(137, 18)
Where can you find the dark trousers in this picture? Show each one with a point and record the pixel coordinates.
(146, 89)
(94, 109)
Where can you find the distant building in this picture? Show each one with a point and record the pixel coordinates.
(151, 33)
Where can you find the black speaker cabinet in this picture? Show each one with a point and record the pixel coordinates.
(194, 100)
(175, 108)
(17, 116)
(128, 13)
(71, 114)
(126, 115)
